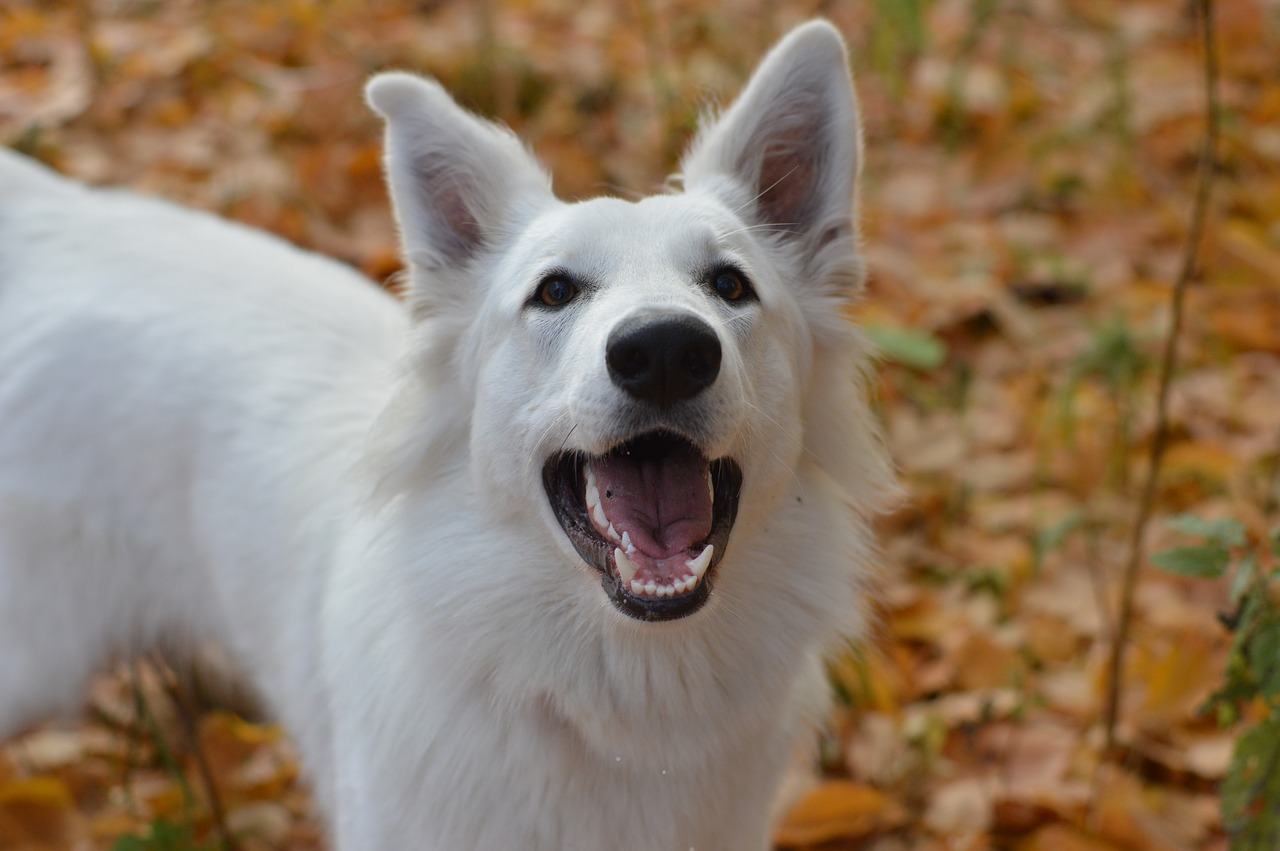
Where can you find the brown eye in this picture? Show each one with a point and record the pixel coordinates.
(729, 284)
(556, 290)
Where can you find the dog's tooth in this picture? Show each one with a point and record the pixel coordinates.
(626, 569)
(626, 543)
(651, 588)
(593, 490)
(613, 535)
(699, 565)
(597, 514)
(636, 587)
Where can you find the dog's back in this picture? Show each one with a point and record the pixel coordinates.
(164, 377)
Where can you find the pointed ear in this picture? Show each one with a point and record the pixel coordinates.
(458, 182)
(787, 152)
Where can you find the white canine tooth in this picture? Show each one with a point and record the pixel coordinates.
(593, 491)
(627, 545)
(597, 514)
(626, 569)
(651, 588)
(613, 534)
(636, 587)
(699, 565)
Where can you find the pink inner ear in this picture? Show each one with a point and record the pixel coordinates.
(786, 180)
(457, 217)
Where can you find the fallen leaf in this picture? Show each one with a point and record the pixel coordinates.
(838, 809)
(38, 810)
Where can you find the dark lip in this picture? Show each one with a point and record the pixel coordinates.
(562, 477)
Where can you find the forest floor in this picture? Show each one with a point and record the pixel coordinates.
(1030, 166)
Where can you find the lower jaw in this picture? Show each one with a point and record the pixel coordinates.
(655, 609)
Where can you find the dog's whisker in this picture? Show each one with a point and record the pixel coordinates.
(766, 190)
(568, 435)
(551, 426)
(768, 227)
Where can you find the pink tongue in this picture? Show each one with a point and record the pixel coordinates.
(664, 503)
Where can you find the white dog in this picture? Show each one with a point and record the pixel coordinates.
(547, 560)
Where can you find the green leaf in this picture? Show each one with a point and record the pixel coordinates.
(1227, 532)
(1264, 653)
(1200, 562)
(916, 349)
(1050, 538)
(1242, 582)
(1248, 791)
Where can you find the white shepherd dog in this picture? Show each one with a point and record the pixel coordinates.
(547, 557)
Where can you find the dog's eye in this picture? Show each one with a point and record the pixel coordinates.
(556, 290)
(730, 285)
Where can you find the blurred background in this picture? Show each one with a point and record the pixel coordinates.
(1027, 189)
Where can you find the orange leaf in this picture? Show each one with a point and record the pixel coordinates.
(1057, 837)
(838, 809)
(1201, 461)
(39, 810)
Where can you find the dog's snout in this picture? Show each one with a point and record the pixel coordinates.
(663, 359)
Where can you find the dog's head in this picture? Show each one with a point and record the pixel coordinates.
(651, 374)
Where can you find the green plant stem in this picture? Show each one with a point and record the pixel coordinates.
(1199, 213)
(190, 726)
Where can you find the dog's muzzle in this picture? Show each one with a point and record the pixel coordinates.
(653, 515)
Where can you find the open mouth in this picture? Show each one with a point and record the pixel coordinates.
(653, 516)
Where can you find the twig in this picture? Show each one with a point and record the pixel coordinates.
(1199, 212)
(190, 727)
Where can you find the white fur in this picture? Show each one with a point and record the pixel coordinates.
(208, 434)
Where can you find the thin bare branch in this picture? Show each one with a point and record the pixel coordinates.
(1191, 251)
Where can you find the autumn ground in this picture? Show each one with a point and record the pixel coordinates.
(1028, 183)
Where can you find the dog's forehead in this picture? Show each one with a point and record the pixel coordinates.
(668, 230)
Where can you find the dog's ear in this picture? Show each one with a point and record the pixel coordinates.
(787, 151)
(458, 182)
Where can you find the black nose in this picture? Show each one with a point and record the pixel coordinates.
(663, 359)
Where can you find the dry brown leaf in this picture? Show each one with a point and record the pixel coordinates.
(1060, 837)
(983, 662)
(40, 811)
(838, 809)
(960, 808)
